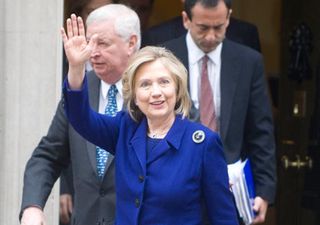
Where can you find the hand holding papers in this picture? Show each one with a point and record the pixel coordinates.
(242, 186)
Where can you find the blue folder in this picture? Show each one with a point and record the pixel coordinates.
(243, 189)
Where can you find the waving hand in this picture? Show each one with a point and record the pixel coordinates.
(77, 49)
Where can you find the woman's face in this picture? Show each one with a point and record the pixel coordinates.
(155, 91)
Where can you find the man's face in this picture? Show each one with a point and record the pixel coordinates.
(110, 56)
(92, 5)
(207, 25)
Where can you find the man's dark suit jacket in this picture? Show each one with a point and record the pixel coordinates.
(239, 31)
(246, 126)
(94, 199)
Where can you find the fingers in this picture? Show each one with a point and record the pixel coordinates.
(63, 35)
(81, 26)
(64, 218)
(75, 44)
(70, 205)
(64, 209)
(74, 23)
(261, 207)
(69, 28)
(75, 26)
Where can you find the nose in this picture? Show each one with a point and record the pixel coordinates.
(211, 35)
(95, 52)
(156, 90)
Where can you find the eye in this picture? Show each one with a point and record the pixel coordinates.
(164, 81)
(203, 27)
(218, 28)
(144, 84)
(103, 44)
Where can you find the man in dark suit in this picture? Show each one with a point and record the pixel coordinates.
(83, 9)
(94, 196)
(241, 104)
(238, 30)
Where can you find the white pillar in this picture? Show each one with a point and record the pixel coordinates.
(30, 86)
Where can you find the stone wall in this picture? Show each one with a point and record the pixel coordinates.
(30, 78)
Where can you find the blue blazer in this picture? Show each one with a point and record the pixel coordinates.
(170, 184)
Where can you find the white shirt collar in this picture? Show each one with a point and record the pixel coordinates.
(105, 88)
(197, 53)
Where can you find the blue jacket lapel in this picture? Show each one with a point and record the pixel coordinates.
(139, 145)
(172, 141)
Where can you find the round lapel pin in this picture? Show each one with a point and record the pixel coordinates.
(198, 136)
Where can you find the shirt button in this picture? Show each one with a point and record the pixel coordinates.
(137, 202)
(141, 178)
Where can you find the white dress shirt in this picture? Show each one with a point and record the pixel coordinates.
(195, 55)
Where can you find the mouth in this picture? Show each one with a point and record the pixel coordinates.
(208, 45)
(97, 64)
(157, 103)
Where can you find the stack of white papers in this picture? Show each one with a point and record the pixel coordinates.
(242, 186)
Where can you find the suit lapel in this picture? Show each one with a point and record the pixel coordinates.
(108, 163)
(91, 149)
(179, 47)
(181, 51)
(158, 151)
(138, 143)
(94, 89)
(230, 72)
(172, 141)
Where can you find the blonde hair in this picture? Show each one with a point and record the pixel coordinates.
(172, 64)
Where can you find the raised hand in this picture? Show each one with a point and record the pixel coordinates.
(77, 49)
(75, 43)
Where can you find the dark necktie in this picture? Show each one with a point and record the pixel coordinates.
(110, 110)
(207, 110)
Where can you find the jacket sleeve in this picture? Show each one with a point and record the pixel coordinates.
(66, 181)
(219, 201)
(46, 162)
(259, 136)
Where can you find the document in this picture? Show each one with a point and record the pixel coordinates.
(242, 186)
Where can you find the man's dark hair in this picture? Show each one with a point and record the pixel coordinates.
(189, 4)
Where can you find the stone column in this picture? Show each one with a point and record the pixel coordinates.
(30, 83)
